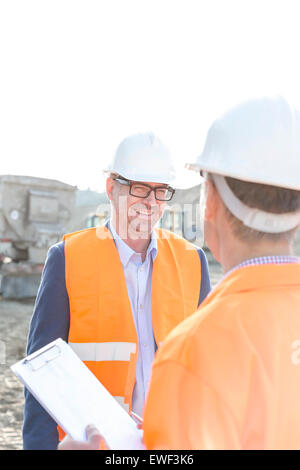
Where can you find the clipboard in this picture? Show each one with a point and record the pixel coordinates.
(74, 397)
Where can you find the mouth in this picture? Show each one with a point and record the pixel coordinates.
(142, 218)
(144, 213)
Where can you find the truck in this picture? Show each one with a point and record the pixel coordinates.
(34, 214)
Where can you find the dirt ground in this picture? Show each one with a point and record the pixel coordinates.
(14, 323)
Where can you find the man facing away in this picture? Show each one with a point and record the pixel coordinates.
(234, 365)
(228, 377)
(115, 292)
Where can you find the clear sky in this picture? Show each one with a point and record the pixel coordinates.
(76, 77)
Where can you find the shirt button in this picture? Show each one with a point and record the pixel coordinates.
(141, 306)
(145, 345)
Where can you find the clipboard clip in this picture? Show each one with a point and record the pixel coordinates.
(40, 359)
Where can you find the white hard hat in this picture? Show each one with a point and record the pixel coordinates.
(257, 141)
(143, 157)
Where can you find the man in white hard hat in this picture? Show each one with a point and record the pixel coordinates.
(228, 377)
(114, 292)
(234, 365)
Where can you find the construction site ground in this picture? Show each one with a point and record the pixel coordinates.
(14, 322)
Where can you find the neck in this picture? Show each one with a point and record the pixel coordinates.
(139, 246)
(237, 252)
(138, 242)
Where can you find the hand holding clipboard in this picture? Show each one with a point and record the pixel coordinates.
(74, 398)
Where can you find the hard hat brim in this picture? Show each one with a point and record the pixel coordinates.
(242, 176)
(186, 181)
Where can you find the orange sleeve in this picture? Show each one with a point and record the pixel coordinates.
(182, 412)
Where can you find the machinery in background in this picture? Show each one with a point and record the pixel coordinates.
(34, 214)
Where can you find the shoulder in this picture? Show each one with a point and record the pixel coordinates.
(212, 334)
(56, 250)
(54, 267)
(79, 234)
(87, 237)
(55, 255)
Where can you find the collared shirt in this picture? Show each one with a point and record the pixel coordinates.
(138, 277)
(275, 259)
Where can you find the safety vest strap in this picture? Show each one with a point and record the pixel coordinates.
(176, 282)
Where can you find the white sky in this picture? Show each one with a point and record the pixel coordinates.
(76, 77)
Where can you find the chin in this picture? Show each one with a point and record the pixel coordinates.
(144, 231)
(142, 226)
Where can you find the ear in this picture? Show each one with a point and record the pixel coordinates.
(212, 201)
(110, 184)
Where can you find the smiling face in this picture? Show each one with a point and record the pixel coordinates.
(133, 217)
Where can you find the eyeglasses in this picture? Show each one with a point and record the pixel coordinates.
(161, 193)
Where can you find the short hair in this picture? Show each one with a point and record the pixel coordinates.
(113, 175)
(266, 198)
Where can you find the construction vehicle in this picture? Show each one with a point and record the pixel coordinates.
(34, 214)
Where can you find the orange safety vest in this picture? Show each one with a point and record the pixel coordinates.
(234, 367)
(102, 330)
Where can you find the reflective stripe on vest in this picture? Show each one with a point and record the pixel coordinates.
(104, 351)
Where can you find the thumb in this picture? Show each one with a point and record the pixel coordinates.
(93, 436)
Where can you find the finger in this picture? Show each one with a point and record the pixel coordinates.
(93, 436)
(69, 444)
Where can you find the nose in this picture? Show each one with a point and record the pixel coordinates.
(151, 198)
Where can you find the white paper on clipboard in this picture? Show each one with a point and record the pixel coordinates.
(74, 398)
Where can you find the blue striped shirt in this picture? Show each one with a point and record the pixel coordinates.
(260, 260)
(274, 259)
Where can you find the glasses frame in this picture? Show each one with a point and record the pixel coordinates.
(129, 183)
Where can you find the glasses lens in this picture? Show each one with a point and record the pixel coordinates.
(163, 194)
(139, 190)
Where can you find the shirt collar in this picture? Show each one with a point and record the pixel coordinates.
(259, 261)
(125, 252)
(276, 259)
